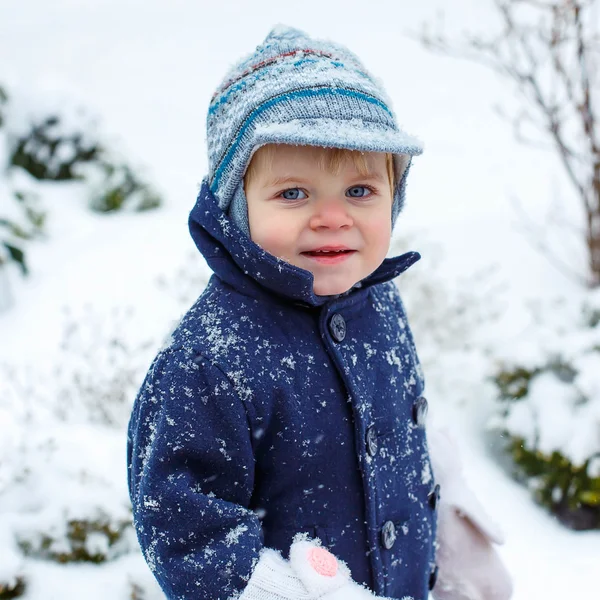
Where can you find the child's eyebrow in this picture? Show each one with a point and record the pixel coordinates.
(285, 179)
(375, 176)
(276, 181)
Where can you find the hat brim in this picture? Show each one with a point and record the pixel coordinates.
(353, 134)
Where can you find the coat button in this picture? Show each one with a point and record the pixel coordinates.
(433, 577)
(372, 441)
(337, 326)
(434, 497)
(419, 411)
(388, 535)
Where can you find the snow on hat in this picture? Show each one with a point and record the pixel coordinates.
(296, 90)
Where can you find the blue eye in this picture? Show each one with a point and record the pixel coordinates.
(358, 191)
(293, 194)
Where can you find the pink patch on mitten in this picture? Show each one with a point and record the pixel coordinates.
(323, 562)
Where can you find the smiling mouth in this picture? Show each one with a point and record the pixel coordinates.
(327, 252)
(329, 257)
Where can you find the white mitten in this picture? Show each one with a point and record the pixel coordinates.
(469, 566)
(311, 573)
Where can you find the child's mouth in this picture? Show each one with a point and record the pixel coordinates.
(329, 257)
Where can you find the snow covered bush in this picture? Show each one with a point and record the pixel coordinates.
(95, 373)
(49, 137)
(549, 388)
(63, 484)
(63, 418)
(21, 219)
(3, 99)
(24, 221)
(12, 589)
(88, 539)
(115, 186)
(52, 137)
(48, 149)
(63, 500)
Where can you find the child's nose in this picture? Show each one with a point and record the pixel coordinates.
(331, 213)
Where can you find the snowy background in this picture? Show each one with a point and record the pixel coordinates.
(104, 291)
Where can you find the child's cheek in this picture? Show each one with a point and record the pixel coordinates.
(380, 228)
(273, 236)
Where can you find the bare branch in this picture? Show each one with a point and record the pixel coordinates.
(550, 50)
(517, 124)
(586, 108)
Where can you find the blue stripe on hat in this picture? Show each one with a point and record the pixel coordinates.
(258, 74)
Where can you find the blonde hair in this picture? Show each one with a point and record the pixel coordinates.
(330, 159)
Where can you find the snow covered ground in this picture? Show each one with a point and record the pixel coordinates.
(149, 69)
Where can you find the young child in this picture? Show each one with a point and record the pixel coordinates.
(277, 446)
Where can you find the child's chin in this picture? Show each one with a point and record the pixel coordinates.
(329, 289)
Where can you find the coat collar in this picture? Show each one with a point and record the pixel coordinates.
(244, 265)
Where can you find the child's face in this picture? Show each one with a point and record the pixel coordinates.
(296, 206)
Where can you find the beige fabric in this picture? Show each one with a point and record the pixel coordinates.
(469, 565)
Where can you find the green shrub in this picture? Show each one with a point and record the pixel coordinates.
(514, 385)
(3, 100)
(137, 592)
(13, 234)
(94, 541)
(549, 412)
(55, 148)
(64, 144)
(568, 491)
(119, 187)
(47, 153)
(13, 589)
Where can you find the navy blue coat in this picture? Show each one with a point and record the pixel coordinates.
(273, 411)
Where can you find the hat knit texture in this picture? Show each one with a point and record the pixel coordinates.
(301, 91)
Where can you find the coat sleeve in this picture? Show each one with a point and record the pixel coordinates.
(191, 476)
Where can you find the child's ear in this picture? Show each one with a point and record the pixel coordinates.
(400, 164)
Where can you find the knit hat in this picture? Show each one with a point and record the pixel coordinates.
(296, 90)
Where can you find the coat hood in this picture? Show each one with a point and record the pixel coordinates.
(244, 265)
